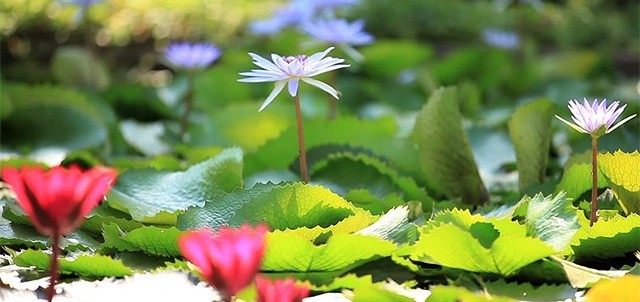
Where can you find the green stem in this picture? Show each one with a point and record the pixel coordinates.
(594, 174)
(54, 271)
(188, 104)
(303, 153)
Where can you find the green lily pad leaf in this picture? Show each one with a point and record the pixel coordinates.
(622, 172)
(529, 292)
(606, 240)
(376, 135)
(445, 155)
(378, 293)
(388, 58)
(15, 234)
(151, 240)
(346, 171)
(584, 277)
(552, 219)
(76, 66)
(155, 196)
(89, 266)
(288, 252)
(393, 225)
(104, 214)
(447, 293)
(285, 206)
(51, 117)
(241, 125)
(530, 131)
(481, 248)
(347, 281)
(577, 180)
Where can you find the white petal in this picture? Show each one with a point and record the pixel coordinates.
(621, 122)
(322, 86)
(276, 90)
(293, 86)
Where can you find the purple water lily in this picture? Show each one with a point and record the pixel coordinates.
(596, 119)
(191, 56)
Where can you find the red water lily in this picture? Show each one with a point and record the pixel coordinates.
(281, 290)
(58, 200)
(228, 259)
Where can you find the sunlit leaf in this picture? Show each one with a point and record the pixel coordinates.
(552, 219)
(83, 265)
(288, 252)
(151, 240)
(285, 206)
(155, 196)
(622, 171)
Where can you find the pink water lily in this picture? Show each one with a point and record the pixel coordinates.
(597, 118)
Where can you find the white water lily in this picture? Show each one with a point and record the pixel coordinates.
(289, 71)
(595, 119)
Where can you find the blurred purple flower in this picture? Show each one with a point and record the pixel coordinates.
(191, 56)
(83, 3)
(341, 33)
(338, 31)
(290, 70)
(287, 16)
(501, 39)
(595, 119)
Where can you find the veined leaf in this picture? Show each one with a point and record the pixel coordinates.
(577, 180)
(84, 265)
(606, 239)
(553, 220)
(622, 171)
(445, 155)
(288, 252)
(346, 171)
(285, 206)
(16, 234)
(529, 292)
(530, 131)
(155, 196)
(448, 293)
(151, 240)
(49, 116)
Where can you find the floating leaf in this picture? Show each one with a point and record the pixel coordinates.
(155, 196)
(288, 252)
(606, 240)
(345, 172)
(378, 135)
(530, 131)
(445, 155)
(84, 265)
(15, 234)
(553, 220)
(577, 180)
(478, 246)
(442, 293)
(529, 292)
(346, 281)
(49, 116)
(622, 171)
(378, 294)
(151, 240)
(76, 66)
(287, 206)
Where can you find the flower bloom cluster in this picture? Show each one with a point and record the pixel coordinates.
(595, 119)
(191, 56)
(57, 201)
(290, 70)
(230, 259)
